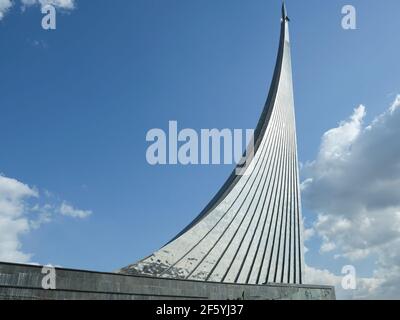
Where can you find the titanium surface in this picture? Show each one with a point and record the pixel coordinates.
(251, 231)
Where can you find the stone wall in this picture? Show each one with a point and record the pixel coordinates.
(25, 282)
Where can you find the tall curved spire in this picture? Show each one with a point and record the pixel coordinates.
(284, 12)
(251, 231)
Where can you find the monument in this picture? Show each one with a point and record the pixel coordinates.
(247, 243)
(251, 230)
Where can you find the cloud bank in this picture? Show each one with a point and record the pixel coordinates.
(5, 5)
(21, 213)
(62, 4)
(354, 187)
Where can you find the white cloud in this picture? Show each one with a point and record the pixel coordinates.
(44, 215)
(5, 5)
(308, 234)
(354, 187)
(68, 210)
(63, 4)
(21, 213)
(327, 246)
(13, 222)
(366, 288)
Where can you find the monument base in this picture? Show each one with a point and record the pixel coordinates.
(19, 281)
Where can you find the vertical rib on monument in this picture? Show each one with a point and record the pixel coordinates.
(251, 231)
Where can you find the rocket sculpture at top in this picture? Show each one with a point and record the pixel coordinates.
(251, 231)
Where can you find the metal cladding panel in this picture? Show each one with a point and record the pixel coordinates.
(251, 231)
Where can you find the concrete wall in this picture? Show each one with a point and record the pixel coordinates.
(25, 282)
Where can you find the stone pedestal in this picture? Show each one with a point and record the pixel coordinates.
(25, 282)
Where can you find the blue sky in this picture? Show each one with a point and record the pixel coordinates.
(76, 104)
